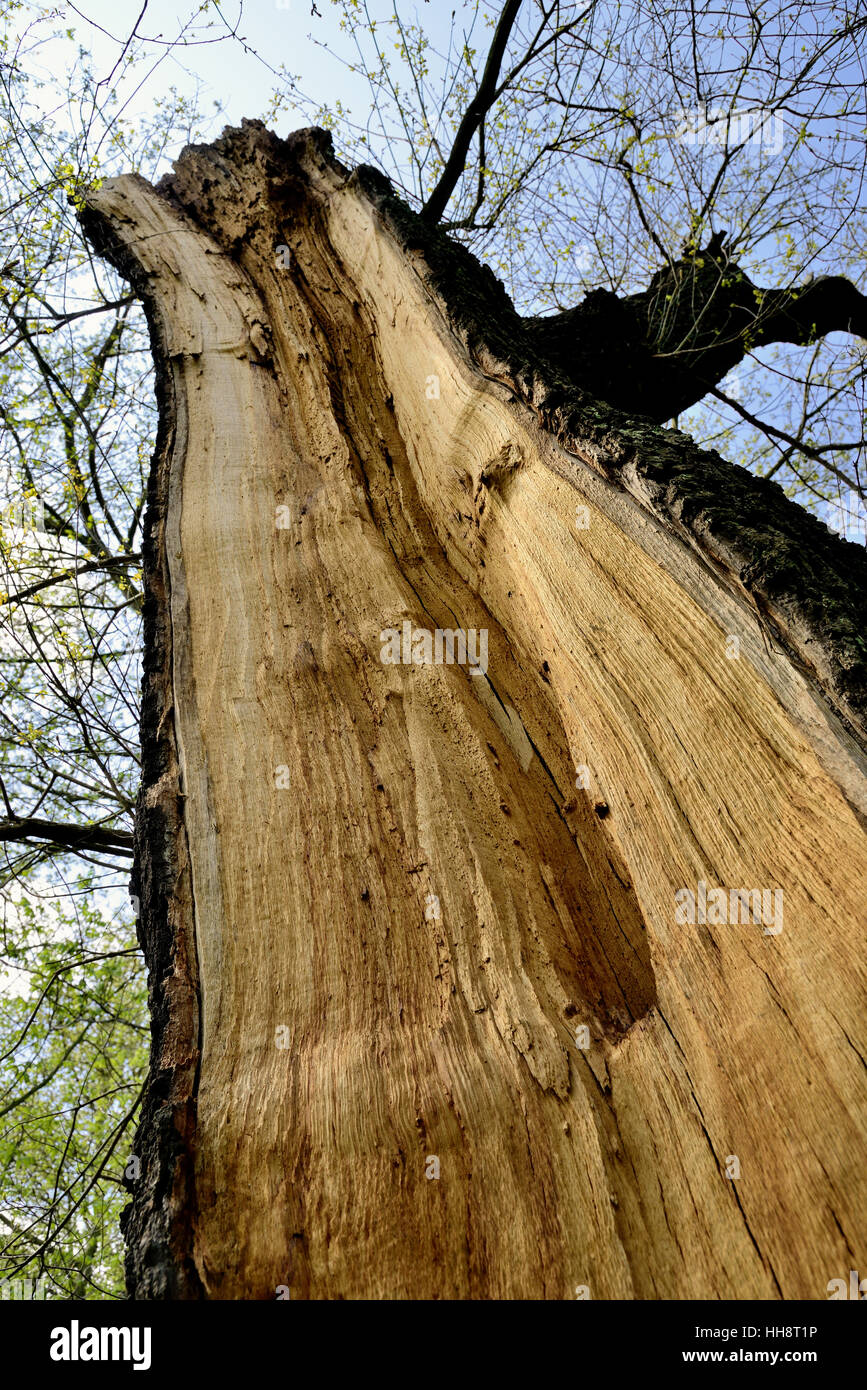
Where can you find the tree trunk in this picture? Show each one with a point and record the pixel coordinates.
(426, 1024)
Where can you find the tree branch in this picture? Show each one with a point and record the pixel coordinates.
(473, 116)
(660, 351)
(93, 567)
(828, 304)
(68, 835)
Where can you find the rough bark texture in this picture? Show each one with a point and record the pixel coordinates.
(682, 335)
(433, 908)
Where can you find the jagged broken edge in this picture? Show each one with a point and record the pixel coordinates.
(808, 584)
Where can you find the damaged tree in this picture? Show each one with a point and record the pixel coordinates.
(430, 1019)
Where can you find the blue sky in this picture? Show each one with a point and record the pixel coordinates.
(277, 32)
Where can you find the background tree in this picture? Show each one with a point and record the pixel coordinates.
(78, 420)
(657, 177)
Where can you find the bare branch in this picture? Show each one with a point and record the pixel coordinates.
(473, 116)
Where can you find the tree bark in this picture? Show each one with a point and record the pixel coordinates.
(695, 322)
(380, 902)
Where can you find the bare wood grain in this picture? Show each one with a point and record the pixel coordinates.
(450, 1031)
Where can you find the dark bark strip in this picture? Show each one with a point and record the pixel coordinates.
(159, 1220)
(659, 352)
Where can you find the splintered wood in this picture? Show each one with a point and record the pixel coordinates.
(473, 1022)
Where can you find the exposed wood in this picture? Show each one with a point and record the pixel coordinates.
(432, 908)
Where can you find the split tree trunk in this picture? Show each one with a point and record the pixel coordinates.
(390, 959)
